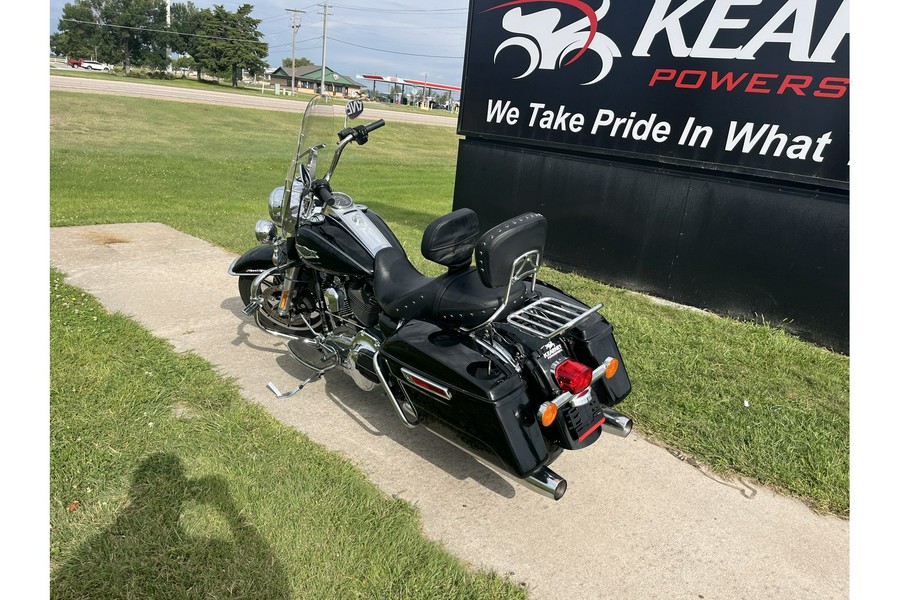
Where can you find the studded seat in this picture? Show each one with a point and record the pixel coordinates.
(466, 296)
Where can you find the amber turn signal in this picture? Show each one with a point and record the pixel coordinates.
(611, 367)
(547, 413)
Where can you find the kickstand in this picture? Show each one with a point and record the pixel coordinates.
(271, 387)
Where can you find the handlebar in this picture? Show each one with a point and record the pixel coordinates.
(374, 125)
(360, 133)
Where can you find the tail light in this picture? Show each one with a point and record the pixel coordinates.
(573, 377)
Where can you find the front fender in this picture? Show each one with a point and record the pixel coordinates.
(253, 262)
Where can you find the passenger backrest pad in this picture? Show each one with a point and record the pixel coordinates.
(450, 240)
(500, 247)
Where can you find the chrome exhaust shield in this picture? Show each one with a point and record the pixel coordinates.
(547, 483)
(616, 423)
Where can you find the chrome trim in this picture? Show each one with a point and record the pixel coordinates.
(390, 394)
(498, 351)
(544, 481)
(525, 265)
(234, 273)
(582, 398)
(549, 317)
(360, 227)
(254, 298)
(441, 391)
(547, 483)
(361, 341)
(265, 231)
(616, 423)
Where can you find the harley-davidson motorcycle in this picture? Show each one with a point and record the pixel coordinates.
(516, 367)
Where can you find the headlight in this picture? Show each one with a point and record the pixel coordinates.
(276, 199)
(266, 232)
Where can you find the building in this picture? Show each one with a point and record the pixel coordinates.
(310, 78)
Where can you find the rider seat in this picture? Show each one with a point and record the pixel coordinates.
(465, 296)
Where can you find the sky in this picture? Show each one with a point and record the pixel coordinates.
(403, 38)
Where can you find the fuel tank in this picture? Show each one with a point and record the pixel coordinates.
(344, 241)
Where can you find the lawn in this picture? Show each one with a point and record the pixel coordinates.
(741, 398)
(166, 483)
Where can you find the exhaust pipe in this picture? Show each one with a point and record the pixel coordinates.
(616, 423)
(547, 483)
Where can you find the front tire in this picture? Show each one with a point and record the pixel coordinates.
(303, 306)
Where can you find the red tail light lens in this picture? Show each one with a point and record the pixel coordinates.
(573, 377)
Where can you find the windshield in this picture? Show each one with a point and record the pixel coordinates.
(317, 144)
(321, 122)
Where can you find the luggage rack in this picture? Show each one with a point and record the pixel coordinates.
(549, 317)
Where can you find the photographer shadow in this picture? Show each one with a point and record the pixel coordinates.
(149, 551)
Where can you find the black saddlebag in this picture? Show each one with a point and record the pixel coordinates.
(448, 378)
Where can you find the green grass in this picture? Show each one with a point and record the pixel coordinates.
(207, 171)
(165, 483)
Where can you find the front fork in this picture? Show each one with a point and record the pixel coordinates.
(290, 277)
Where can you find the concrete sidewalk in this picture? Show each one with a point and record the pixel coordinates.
(637, 522)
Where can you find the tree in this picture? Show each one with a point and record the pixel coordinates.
(139, 35)
(115, 31)
(229, 42)
(79, 36)
(186, 22)
(300, 62)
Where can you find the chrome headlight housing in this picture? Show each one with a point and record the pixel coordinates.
(276, 200)
(266, 231)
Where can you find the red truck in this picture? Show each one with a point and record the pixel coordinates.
(74, 62)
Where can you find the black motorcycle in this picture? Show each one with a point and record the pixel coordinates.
(513, 365)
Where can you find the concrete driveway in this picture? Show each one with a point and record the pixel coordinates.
(637, 522)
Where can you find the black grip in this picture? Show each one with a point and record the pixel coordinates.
(325, 196)
(374, 125)
(323, 191)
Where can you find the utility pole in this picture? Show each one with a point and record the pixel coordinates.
(295, 27)
(324, 24)
(169, 27)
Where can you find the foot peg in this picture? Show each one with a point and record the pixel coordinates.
(254, 306)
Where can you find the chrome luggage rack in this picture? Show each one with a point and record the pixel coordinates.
(549, 317)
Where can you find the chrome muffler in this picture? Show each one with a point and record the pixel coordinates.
(616, 423)
(547, 483)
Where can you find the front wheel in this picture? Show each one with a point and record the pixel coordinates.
(303, 305)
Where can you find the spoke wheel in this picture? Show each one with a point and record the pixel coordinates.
(303, 306)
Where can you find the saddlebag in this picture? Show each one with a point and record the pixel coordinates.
(446, 377)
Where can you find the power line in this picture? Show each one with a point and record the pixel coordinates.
(402, 10)
(370, 26)
(169, 31)
(395, 52)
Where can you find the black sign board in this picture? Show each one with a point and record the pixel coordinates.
(748, 86)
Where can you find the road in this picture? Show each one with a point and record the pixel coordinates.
(636, 523)
(267, 102)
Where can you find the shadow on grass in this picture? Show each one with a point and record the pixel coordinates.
(177, 538)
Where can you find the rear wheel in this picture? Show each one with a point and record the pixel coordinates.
(303, 304)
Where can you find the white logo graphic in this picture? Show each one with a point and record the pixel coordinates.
(548, 44)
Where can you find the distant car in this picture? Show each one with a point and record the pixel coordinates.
(93, 65)
(74, 62)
